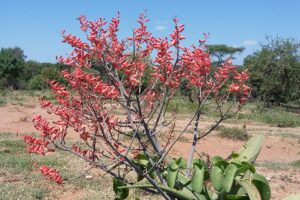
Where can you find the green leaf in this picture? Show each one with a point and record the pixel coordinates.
(235, 155)
(216, 159)
(172, 174)
(198, 177)
(155, 158)
(249, 166)
(142, 156)
(262, 185)
(203, 163)
(217, 176)
(235, 197)
(220, 162)
(229, 177)
(250, 150)
(241, 191)
(186, 194)
(242, 169)
(248, 188)
(152, 173)
(143, 162)
(200, 196)
(143, 159)
(121, 193)
(184, 181)
(210, 195)
(181, 162)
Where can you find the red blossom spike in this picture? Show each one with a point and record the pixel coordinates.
(51, 173)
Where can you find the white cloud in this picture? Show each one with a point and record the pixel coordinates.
(160, 27)
(250, 42)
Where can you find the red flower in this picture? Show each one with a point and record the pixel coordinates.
(35, 145)
(51, 173)
(243, 76)
(246, 89)
(234, 88)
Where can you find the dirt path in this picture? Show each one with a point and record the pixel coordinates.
(274, 148)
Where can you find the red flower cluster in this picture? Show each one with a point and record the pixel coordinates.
(197, 66)
(51, 173)
(84, 153)
(239, 88)
(46, 130)
(176, 35)
(35, 145)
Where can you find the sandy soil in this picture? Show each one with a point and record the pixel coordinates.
(278, 145)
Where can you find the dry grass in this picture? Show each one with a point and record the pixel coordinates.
(20, 177)
(233, 133)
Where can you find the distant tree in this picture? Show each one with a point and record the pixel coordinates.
(12, 61)
(41, 73)
(52, 72)
(32, 68)
(275, 70)
(222, 52)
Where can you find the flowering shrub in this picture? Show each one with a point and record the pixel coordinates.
(117, 116)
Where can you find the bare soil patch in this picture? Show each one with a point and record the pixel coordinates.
(281, 145)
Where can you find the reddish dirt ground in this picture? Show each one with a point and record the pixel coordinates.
(277, 147)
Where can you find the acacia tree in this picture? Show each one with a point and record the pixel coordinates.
(139, 138)
(223, 52)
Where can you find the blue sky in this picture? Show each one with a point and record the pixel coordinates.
(35, 25)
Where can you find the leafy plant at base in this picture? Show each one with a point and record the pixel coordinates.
(141, 91)
(235, 178)
(121, 193)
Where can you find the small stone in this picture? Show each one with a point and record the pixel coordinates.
(268, 178)
(88, 177)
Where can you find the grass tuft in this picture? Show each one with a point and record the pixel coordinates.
(21, 179)
(180, 104)
(233, 133)
(3, 101)
(276, 116)
(15, 159)
(273, 165)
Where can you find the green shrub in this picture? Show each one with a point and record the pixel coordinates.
(2, 101)
(296, 163)
(181, 104)
(277, 116)
(273, 115)
(52, 73)
(37, 82)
